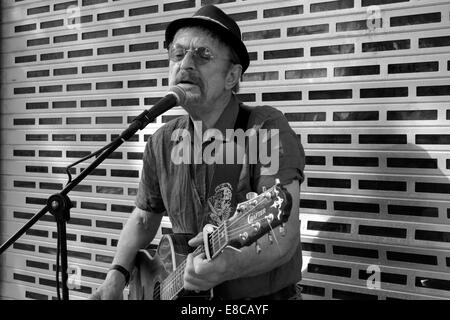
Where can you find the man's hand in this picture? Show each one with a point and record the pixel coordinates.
(196, 241)
(139, 231)
(111, 288)
(201, 274)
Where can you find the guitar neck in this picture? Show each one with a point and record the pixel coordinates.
(173, 284)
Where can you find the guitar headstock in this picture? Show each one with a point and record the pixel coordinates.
(259, 215)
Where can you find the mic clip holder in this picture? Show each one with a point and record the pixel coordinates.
(59, 206)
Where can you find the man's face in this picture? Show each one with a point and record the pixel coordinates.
(204, 80)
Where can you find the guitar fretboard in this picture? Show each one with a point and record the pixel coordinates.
(173, 284)
(218, 240)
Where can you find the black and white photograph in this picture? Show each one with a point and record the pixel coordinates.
(225, 153)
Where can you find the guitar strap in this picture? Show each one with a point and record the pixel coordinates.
(221, 194)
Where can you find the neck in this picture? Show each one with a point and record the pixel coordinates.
(208, 114)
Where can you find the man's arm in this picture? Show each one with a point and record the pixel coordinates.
(201, 274)
(139, 230)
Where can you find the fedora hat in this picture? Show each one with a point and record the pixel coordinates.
(219, 23)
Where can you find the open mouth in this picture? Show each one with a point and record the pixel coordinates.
(186, 82)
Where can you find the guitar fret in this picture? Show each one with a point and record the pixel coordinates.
(179, 280)
(225, 232)
(218, 239)
(212, 237)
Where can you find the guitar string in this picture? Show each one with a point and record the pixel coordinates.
(215, 235)
(262, 195)
(179, 271)
(233, 232)
(174, 277)
(238, 219)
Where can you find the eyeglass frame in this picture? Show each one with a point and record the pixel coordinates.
(196, 57)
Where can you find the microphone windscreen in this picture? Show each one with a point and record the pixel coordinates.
(179, 92)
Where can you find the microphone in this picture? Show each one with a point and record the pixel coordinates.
(175, 96)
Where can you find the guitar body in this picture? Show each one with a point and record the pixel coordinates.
(151, 269)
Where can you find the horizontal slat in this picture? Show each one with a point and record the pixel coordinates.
(349, 273)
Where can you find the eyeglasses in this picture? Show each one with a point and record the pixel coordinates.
(201, 55)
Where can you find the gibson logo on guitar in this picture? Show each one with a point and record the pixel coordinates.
(160, 276)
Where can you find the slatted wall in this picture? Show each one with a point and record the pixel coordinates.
(364, 83)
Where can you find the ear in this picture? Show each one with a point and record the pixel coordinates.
(233, 76)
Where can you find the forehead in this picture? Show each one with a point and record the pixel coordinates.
(195, 36)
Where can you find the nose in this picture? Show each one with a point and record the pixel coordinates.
(188, 61)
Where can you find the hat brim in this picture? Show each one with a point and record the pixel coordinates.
(234, 42)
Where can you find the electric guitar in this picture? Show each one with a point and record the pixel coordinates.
(160, 276)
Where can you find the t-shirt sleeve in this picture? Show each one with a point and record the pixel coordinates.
(149, 197)
(281, 154)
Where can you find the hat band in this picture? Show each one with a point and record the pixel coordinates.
(210, 19)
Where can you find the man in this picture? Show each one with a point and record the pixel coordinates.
(207, 59)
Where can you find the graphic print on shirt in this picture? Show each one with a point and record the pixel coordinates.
(220, 203)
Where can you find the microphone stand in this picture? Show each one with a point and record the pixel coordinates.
(59, 204)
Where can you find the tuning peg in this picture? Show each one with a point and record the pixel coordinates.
(256, 226)
(269, 235)
(282, 230)
(258, 247)
(241, 208)
(251, 195)
(277, 181)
